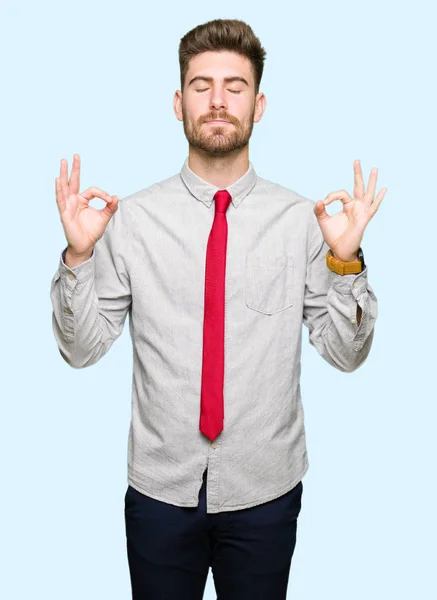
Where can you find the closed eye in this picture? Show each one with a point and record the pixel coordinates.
(232, 91)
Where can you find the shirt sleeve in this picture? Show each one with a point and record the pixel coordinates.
(91, 301)
(330, 307)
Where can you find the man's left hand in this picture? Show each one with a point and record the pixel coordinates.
(344, 231)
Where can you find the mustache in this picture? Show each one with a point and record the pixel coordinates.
(214, 117)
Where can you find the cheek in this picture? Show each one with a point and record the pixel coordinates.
(196, 110)
(240, 109)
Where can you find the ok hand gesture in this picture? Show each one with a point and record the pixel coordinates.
(83, 224)
(344, 231)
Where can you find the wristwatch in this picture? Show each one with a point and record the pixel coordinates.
(345, 268)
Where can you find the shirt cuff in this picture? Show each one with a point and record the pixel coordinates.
(79, 273)
(352, 283)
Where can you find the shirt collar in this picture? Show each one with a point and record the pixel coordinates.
(204, 191)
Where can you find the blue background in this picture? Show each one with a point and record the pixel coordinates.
(343, 80)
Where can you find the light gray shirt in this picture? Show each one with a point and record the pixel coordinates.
(150, 263)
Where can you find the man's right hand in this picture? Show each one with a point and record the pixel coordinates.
(83, 224)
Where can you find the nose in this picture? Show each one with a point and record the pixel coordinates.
(218, 99)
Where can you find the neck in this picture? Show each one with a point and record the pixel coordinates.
(221, 171)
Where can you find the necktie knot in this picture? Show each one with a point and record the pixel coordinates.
(222, 201)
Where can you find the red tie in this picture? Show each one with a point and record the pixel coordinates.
(213, 365)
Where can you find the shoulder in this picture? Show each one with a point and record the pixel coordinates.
(284, 194)
(155, 190)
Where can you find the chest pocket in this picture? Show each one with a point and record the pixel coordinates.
(268, 283)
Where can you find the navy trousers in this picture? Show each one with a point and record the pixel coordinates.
(171, 548)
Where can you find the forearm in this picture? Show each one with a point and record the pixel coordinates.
(340, 312)
(344, 335)
(75, 319)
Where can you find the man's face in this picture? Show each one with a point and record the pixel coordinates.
(216, 97)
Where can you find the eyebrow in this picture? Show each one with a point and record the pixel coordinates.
(226, 79)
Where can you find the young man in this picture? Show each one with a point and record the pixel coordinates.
(218, 268)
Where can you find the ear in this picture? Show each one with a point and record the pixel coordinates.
(260, 106)
(177, 105)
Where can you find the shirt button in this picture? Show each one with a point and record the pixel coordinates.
(70, 276)
(353, 321)
(356, 284)
(214, 444)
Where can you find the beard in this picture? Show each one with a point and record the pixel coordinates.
(219, 139)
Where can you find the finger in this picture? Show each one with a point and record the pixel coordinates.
(320, 212)
(64, 178)
(340, 195)
(111, 206)
(358, 181)
(75, 175)
(379, 198)
(95, 192)
(59, 196)
(370, 192)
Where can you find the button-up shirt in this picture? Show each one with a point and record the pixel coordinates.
(150, 264)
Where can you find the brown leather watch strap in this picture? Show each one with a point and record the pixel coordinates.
(341, 267)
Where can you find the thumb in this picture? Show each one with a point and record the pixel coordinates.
(320, 211)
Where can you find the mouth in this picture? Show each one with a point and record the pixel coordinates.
(217, 121)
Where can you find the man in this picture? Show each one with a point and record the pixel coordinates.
(218, 269)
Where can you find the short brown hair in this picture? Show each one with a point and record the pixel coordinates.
(222, 34)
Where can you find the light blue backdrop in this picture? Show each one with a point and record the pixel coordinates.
(343, 80)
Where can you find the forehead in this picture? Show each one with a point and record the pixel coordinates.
(219, 65)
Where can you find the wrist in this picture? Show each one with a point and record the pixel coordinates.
(73, 259)
(345, 267)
